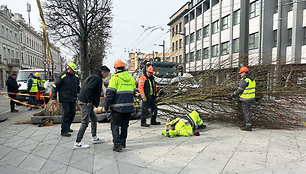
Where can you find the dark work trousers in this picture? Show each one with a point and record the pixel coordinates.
(247, 113)
(12, 103)
(87, 113)
(68, 114)
(119, 126)
(145, 109)
(32, 99)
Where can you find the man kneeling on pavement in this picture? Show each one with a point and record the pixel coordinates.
(184, 125)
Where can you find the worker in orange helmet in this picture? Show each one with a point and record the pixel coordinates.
(246, 93)
(119, 99)
(148, 89)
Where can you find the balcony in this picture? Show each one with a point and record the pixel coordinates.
(13, 62)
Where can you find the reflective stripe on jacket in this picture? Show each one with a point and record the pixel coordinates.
(180, 128)
(249, 91)
(120, 92)
(146, 87)
(32, 84)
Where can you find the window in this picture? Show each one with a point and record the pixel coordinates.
(176, 59)
(206, 53)
(199, 34)
(304, 35)
(172, 46)
(172, 31)
(224, 48)
(199, 10)
(191, 58)
(180, 43)
(187, 57)
(180, 60)
(215, 27)
(214, 51)
(253, 41)
(186, 40)
(290, 37)
(290, 5)
(176, 45)
(191, 15)
(186, 19)
(275, 38)
(176, 29)
(224, 22)
(236, 17)
(206, 31)
(198, 55)
(236, 45)
(180, 27)
(254, 9)
(192, 37)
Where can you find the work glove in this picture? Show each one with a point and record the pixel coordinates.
(144, 99)
(232, 96)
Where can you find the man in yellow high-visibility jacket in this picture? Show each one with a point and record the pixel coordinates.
(246, 93)
(32, 89)
(184, 125)
(120, 98)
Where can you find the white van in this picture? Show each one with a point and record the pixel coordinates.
(22, 78)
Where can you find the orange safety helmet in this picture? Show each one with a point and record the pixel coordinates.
(243, 69)
(119, 63)
(150, 69)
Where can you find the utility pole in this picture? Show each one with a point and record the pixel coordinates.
(279, 33)
(163, 45)
(244, 33)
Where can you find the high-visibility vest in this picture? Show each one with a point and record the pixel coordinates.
(124, 85)
(34, 87)
(180, 128)
(249, 92)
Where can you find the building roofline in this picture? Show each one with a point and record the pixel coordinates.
(181, 14)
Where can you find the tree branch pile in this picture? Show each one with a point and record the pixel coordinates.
(278, 102)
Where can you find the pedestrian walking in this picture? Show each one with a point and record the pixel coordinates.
(119, 98)
(32, 89)
(88, 99)
(246, 93)
(67, 84)
(148, 89)
(12, 89)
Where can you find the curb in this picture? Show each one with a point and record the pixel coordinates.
(57, 118)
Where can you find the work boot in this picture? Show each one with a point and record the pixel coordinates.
(245, 128)
(144, 125)
(123, 145)
(155, 123)
(203, 126)
(14, 110)
(65, 134)
(70, 130)
(117, 148)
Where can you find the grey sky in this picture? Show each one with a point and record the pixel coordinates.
(129, 16)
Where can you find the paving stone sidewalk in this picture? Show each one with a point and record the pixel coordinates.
(219, 149)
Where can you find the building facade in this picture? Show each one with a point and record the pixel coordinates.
(177, 34)
(136, 58)
(21, 47)
(212, 33)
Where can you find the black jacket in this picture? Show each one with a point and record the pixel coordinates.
(68, 87)
(12, 85)
(91, 89)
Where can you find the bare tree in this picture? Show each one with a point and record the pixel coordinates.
(83, 26)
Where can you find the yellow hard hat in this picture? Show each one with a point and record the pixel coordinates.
(72, 66)
(37, 74)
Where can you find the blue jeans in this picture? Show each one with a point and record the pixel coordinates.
(32, 99)
(119, 120)
(68, 114)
